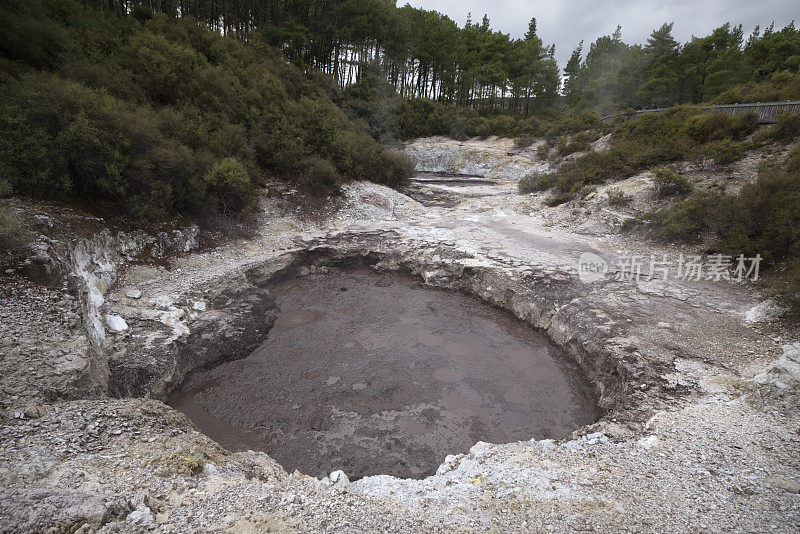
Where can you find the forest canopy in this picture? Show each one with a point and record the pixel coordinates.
(424, 54)
(719, 68)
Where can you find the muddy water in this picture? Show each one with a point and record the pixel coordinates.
(443, 189)
(374, 374)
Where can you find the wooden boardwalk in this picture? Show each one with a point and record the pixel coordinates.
(767, 112)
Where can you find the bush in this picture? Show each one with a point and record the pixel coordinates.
(13, 237)
(559, 198)
(419, 118)
(391, 168)
(543, 150)
(781, 86)
(617, 197)
(573, 122)
(502, 125)
(228, 187)
(653, 139)
(763, 218)
(535, 182)
(566, 147)
(786, 286)
(317, 175)
(714, 126)
(688, 218)
(524, 141)
(373, 102)
(723, 152)
(668, 183)
(739, 127)
(787, 128)
(706, 126)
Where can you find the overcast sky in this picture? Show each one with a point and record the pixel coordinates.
(566, 22)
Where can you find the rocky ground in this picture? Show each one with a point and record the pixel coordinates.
(697, 380)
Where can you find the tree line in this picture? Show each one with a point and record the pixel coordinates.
(423, 54)
(721, 67)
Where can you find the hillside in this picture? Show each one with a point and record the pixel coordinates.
(144, 116)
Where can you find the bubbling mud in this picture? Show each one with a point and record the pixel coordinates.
(375, 374)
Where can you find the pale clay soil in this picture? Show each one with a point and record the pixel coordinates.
(698, 381)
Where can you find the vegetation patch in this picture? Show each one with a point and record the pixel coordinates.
(669, 183)
(617, 197)
(763, 218)
(534, 182)
(786, 129)
(147, 117)
(654, 139)
(14, 236)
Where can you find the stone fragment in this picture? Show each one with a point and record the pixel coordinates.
(116, 323)
(783, 483)
(142, 517)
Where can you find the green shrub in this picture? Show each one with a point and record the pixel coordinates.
(524, 141)
(633, 222)
(786, 286)
(706, 126)
(618, 197)
(793, 160)
(228, 187)
(781, 86)
(391, 168)
(137, 116)
(14, 237)
(715, 126)
(559, 198)
(723, 152)
(763, 218)
(566, 147)
(317, 175)
(543, 150)
(502, 125)
(419, 118)
(787, 128)
(668, 183)
(373, 102)
(653, 139)
(535, 182)
(572, 122)
(739, 127)
(688, 218)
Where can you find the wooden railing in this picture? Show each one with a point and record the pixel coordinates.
(767, 112)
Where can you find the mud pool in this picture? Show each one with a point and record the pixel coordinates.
(375, 374)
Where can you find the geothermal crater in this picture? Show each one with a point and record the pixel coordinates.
(372, 373)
